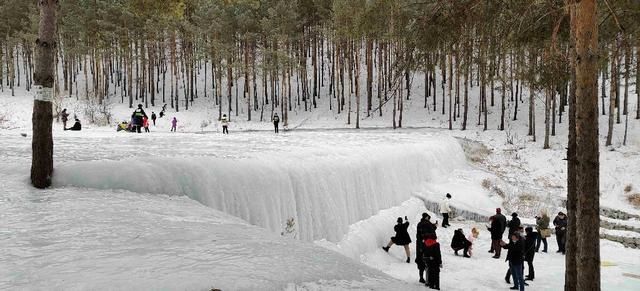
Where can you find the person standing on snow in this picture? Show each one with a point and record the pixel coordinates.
(145, 124)
(514, 223)
(423, 228)
(445, 210)
(498, 225)
(560, 222)
(530, 251)
(471, 238)
(515, 256)
(137, 117)
(276, 120)
(402, 237)
(65, 117)
(433, 260)
(174, 124)
(542, 226)
(153, 118)
(225, 124)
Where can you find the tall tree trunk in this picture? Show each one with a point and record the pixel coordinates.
(612, 95)
(572, 194)
(587, 149)
(42, 143)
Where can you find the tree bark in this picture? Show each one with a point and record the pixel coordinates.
(42, 143)
(587, 147)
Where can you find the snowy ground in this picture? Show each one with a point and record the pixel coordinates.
(193, 211)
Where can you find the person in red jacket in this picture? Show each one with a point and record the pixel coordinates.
(145, 123)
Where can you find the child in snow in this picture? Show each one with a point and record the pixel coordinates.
(225, 124)
(65, 117)
(145, 124)
(174, 124)
(472, 237)
(402, 237)
(153, 118)
(433, 260)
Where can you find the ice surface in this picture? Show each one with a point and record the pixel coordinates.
(323, 189)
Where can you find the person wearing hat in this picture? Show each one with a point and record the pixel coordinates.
(424, 228)
(433, 260)
(514, 223)
(137, 118)
(530, 251)
(560, 222)
(444, 210)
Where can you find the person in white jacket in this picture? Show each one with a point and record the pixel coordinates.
(444, 210)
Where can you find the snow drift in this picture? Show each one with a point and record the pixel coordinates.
(324, 190)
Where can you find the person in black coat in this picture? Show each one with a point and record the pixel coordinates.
(515, 257)
(76, 126)
(153, 118)
(560, 222)
(423, 228)
(498, 225)
(530, 251)
(402, 237)
(137, 118)
(433, 260)
(514, 223)
(460, 242)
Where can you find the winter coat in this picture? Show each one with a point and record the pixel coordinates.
(497, 227)
(153, 116)
(502, 221)
(64, 115)
(530, 246)
(276, 119)
(431, 255)
(444, 206)
(424, 227)
(145, 122)
(174, 122)
(458, 241)
(515, 253)
(225, 121)
(542, 222)
(514, 224)
(76, 126)
(402, 235)
(138, 115)
(560, 223)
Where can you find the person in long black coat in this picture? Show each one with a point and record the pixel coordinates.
(515, 257)
(530, 251)
(423, 228)
(460, 242)
(560, 222)
(433, 260)
(402, 237)
(498, 225)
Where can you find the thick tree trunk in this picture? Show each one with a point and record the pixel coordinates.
(42, 143)
(572, 194)
(587, 147)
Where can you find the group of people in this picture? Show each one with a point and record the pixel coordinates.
(77, 126)
(523, 243)
(140, 121)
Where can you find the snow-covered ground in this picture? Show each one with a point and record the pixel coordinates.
(197, 210)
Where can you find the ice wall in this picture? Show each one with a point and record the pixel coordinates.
(323, 190)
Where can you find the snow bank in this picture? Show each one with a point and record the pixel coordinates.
(323, 190)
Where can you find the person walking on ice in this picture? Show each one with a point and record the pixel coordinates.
(423, 228)
(402, 237)
(445, 210)
(174, 124)
(276, 120)
(225, 124)
(137, 117)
